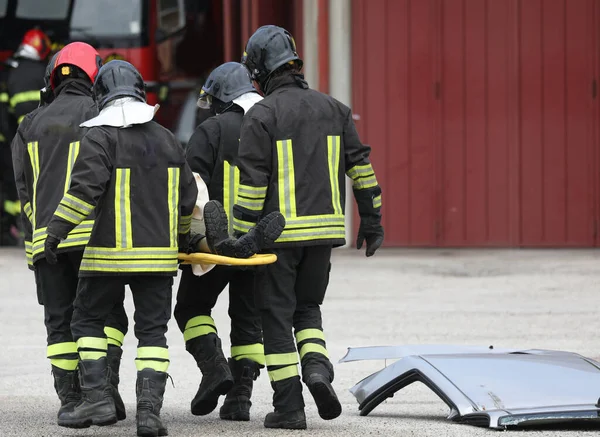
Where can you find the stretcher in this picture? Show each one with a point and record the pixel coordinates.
(210, 258)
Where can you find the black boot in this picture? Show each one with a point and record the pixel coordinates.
(150, 389)
(324, 395)
(263, 234)
(289, 420)
(66, 384)
(97, 406)
(113, 356)
(237, 402)
(216, 375)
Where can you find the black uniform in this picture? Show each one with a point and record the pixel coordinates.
(212, 153)
(24, 84)
(296, 147)
(45, 149)
(143, 192)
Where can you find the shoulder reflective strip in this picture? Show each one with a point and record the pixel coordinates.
(69, 215)
(61, 349)
(123, 208)
(173, 202)
(25, 96)
(200, 320)
(305, 334)
(241, 225)
(249, 349)
(377, 201)
(364, 183)
(159, 366)
(198, 331)
(77, 204)
(291, 235)
(283, 373)
(153, 352)
(115, 334)
(315, 220)
(92, 355)
(34, 157)
(231, 180)
(4, 97)
(360, 171)
(73, 152)
(333, 156)
(312, 347)
(140, 253)
(285, 178)
(253, 192)
(61, 363)
(281, 359)
(92, 343)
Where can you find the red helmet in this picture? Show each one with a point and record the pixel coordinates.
(81, 55)
(35, 45)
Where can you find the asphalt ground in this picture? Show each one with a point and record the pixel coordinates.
(506, 298)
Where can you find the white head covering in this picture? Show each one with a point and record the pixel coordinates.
(123, 112)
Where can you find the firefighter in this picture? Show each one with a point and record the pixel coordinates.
(8, 206)
(296, 146)
(133, 172)
(44, 151)
(212, 153)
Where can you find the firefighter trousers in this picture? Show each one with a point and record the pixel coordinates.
(57, 289)
(197, 296)
(288, 295)
(96, 297)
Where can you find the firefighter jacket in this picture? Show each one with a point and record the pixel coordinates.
(212, 153)
(7, 128)
(44, 149)
(296, 145)
(144, 193)
(24, 84)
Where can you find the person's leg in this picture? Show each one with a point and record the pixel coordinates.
(247, 351)
(317, 370)
(196, 297)
(152, 299)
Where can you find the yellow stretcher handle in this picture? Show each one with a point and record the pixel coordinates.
(209, 258)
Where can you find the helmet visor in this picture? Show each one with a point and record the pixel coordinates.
(204, 101)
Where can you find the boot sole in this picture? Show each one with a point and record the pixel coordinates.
(236, 417)
(215, 220)
(97, 421)
(287, 425)
(327, 402)
(150, 432)
(208, 405)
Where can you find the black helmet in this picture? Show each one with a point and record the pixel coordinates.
(49, 69)
(118, 79)
(225, 83)
(46, 93)
(269, 48)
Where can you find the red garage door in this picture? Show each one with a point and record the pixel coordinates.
(481, 115)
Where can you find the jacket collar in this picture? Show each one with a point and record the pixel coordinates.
(77, 87)
(285, 79)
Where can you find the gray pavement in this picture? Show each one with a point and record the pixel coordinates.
(508, 298)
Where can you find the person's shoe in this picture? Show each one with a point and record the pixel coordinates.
(324, 395)
(217, 226)
(288, 420)
(66, 384)
(237, 402)
(150, 390)
(113, 356)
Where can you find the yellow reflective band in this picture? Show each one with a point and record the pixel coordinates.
(198, 331)
(129, 266)
(78, 205)
(312, 347)
(139, 253)
(112, 341)
(159, 366)
(252, 192)
(73, 153)
(257, 358)
(200, 320)
(285, 178)
(249, 349)
(252, 204)
(283, 373)
(308, 221)
(61, 349)
(305, 334)
(153, 352)
(241, 225)
(2, 138)
(123, 208)
(231, 181)
(25, 96)
(377, 201)
(173, 201)
(28, 211)
(92, 355)
(3, 97)
(363, 183)
(86, 226)
(69, 215)
(115, 335)
(92, 343)
(12, 207)
(68, 365)
(34, 157)
(185, 224)
(360, 171)
(20, 119)
(333, 157)
(281, 359)
(289, 235)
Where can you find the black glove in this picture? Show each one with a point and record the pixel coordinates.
(50, 247)
(372, 232)
(183, 243)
